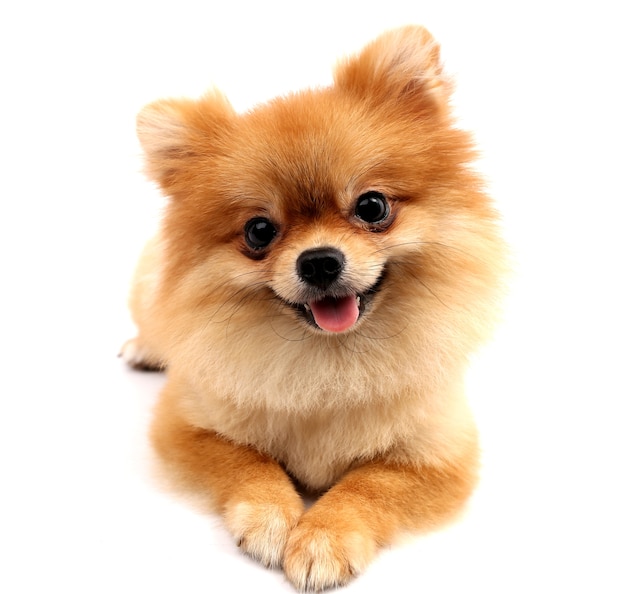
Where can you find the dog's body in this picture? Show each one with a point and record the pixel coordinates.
(325, 266)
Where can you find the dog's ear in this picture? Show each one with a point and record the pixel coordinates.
(178, 134)
(400, 67)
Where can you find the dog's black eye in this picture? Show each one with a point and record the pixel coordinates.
(372, 207)
(259, 233)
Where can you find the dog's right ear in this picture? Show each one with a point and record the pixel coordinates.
(177, 135)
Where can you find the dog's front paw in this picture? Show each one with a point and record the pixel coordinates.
(326, 554)
(261, 529)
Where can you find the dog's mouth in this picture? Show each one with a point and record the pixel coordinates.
(333, 313)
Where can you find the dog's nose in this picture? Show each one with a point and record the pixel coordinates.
(320, 267)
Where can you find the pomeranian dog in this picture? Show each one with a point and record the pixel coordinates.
(326, 263)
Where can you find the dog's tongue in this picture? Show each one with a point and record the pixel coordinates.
(335, 314)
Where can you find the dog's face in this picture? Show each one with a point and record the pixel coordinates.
(323, 211)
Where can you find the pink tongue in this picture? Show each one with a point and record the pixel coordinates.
(335, 315)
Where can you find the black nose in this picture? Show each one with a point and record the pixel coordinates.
(320, 267)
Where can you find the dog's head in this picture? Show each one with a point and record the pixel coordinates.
(319, 209)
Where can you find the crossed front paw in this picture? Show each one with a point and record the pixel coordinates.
(326, 554)
(261, 530)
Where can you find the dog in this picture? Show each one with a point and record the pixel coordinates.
(325, 265)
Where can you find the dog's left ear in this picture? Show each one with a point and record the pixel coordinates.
(400, 67)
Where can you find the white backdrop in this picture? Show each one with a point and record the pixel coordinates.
(540, 83)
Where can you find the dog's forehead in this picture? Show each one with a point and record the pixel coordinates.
(306, 190)
(299, 157)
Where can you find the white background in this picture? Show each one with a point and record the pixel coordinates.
(542, 86)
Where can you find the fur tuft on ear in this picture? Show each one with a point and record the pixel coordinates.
(161, 127)
(402, 65)
(173, 132)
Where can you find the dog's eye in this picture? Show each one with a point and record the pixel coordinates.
(372, 207)
(259, 233)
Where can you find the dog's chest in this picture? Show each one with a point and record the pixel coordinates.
(317, 448)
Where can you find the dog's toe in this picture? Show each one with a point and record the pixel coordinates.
(138, 356)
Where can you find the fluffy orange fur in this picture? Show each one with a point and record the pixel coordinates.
(262, 392)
